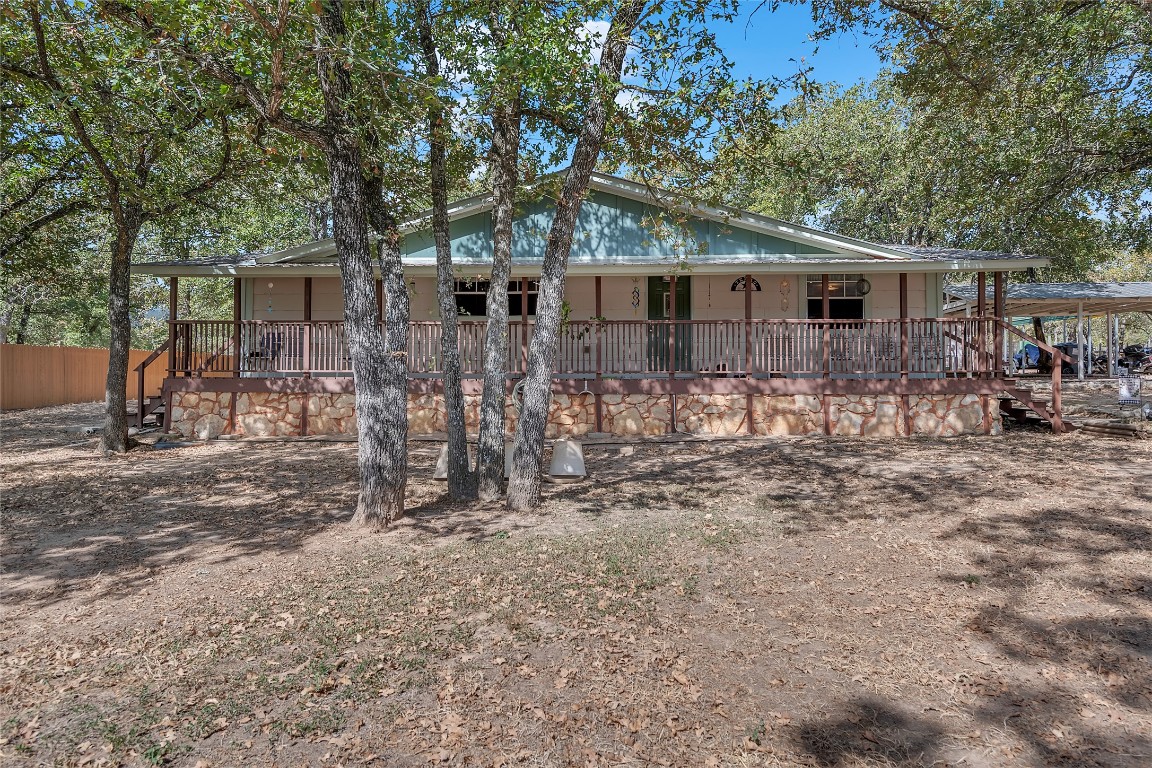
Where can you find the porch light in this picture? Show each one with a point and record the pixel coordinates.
(863, 287)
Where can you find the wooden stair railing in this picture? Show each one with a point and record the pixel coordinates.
(1055, 417)
(199, 372)
(986, 358)
(144, 406)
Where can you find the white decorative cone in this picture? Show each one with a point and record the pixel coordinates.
(441, 472)
(567, 459)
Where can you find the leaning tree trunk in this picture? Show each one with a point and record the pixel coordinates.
(525, 479)
(505, 153)
(393, 419)
(115, 435)
(461, 480)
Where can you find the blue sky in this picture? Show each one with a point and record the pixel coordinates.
(761, 43)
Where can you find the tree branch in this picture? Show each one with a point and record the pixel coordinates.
(317, 135)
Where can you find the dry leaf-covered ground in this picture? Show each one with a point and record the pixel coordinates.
(822, 602)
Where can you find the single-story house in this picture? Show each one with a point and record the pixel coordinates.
(721, 322)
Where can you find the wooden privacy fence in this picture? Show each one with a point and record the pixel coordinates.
(33, 377)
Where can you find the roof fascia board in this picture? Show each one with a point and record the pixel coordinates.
(736, 268)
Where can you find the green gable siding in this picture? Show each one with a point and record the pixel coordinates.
(609, 228)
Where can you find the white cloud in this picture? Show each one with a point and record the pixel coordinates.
(595, 32)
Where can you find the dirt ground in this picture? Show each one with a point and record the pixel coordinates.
(811, 602)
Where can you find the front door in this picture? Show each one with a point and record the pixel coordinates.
(659, 306)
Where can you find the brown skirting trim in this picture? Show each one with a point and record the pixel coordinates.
(660, 386)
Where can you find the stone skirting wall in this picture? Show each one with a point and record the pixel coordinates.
(207, 415)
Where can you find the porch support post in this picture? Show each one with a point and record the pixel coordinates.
(982, 342)
(672, 350)
(1113, 345)
(748, 351)
(981, 314)
(672, 327)
(905, 409)
(1088, 349)
(598, 398)
(826, 338)
(998, 328)
(1080, 340)
(307, 340)
(524, 326)
(237, 312)
(173, 309)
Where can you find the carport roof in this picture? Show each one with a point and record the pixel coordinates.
(1047, 299)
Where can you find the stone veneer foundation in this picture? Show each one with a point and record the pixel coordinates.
(207, 415)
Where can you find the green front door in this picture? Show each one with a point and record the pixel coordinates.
(659, 304)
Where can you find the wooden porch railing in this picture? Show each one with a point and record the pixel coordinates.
(910, 348)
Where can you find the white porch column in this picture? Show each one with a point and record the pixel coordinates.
(1080, 340)
(1109, 345)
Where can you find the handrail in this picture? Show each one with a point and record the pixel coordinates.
(140, 379)
(199, 372)
(1057, 369)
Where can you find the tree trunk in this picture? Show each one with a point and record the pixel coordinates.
(504, 158)
(22, 326)
(524, 483)
(381, 448)
(115, 436)
(1043, 357)
(379, 366)
(461, 480)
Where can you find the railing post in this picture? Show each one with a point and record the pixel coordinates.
(826, 331)
(981, 319)
(237, 312)
(172, 331)
(140, 396)
(307, 352)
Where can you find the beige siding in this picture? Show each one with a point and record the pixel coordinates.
(884, 300)
(327, 299)
(781, 297)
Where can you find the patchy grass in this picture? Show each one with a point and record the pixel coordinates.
(797, 602)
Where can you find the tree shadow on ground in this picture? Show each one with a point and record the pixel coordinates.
(871, 730)
(102, 521)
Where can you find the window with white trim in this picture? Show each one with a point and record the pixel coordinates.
(845, 302)
(472, 297)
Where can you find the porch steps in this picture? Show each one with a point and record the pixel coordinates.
(151, 411)
(1020, 404)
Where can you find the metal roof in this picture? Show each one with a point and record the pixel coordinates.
(1046, 299)
(840, 252)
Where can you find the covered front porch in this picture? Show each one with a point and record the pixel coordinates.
(748, 375)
